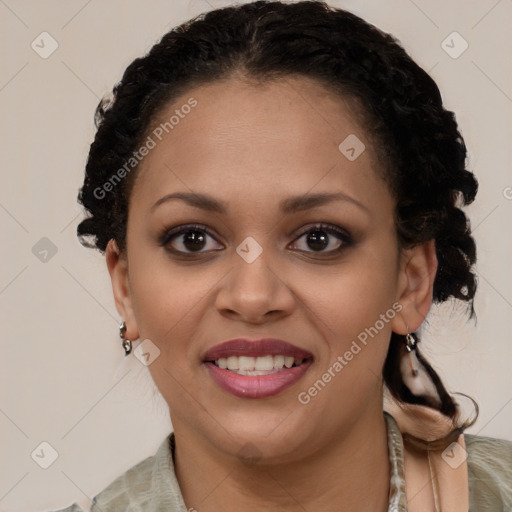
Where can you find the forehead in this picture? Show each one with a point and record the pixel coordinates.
(282, 135)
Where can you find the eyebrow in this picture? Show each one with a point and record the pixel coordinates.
(286, 206)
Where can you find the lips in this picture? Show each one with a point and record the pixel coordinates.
(256, 368)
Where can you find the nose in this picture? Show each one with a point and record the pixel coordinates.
(255, 292)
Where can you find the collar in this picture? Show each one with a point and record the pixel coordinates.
(397, 496)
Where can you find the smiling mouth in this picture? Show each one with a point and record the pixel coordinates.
(256, 368)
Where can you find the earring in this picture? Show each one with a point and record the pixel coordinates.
(127, 344)
(414, 373)
(412, 360)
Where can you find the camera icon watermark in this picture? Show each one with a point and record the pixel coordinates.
(44, 455)
(44, 250)
(454, 455)
(147, 352)
(249, 249)
(454, 45)
(351, 147)
(507, 193)
(44, 45)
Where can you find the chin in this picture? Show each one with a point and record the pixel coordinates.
(272, 435)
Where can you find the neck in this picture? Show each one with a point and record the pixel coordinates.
(351, 473)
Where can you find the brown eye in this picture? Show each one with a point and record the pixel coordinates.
(323, 239)
(189, 239)
(194, 240)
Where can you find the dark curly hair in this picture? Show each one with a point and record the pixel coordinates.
(416, 138)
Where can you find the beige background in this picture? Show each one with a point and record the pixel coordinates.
(63, 376)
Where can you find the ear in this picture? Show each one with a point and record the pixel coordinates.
(118, 269)
(418, 268)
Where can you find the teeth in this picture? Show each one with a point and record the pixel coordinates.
(264, 363)
(278, 362)
(232, 362)
(288, 361)
(248, 365)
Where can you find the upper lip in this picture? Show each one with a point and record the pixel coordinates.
(255, 348)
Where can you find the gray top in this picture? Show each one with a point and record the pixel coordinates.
(151, 485)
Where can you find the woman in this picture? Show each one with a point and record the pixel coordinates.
(277, 191)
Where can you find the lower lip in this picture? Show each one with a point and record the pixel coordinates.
(257, 386)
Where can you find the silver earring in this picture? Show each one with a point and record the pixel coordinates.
(127, 344)
(410, 346)
(414, 374)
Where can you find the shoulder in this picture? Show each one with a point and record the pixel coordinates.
(122, 492)
(149, 485)
(489, 472)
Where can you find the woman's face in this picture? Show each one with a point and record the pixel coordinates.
(258, 169)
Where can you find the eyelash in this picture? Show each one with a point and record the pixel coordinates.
(169, 234)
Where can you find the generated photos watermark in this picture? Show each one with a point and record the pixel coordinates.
(150, 143)
(304, 397)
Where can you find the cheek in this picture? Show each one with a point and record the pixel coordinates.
(349, 371)
(169, 304)
(353, 311)
(354, 296)
(168, 299)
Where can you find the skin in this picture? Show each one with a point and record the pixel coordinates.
(252, 147)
